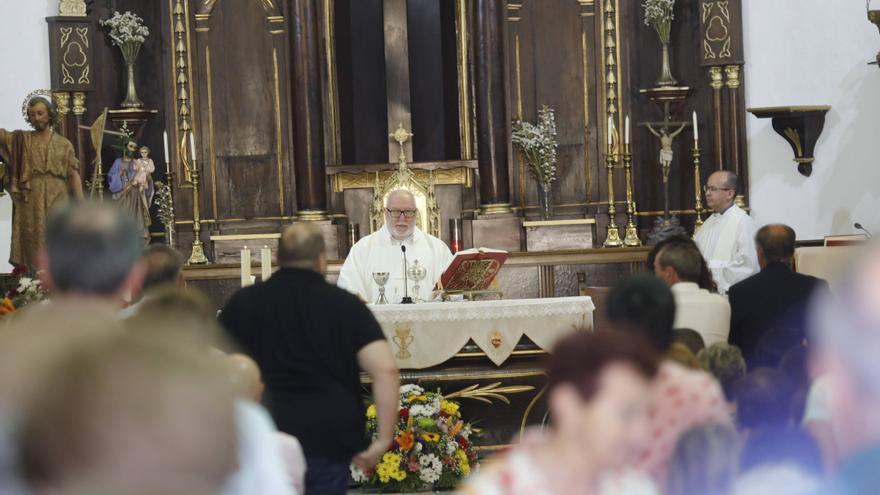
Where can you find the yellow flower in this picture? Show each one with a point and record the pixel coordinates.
(384, 473)
(463, 465)
(431, 437)
(391, 458)
(371, 411)
(449, 407)
(414, 398)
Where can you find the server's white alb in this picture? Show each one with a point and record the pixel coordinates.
(727, 241)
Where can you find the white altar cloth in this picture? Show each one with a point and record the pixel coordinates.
(427, 334)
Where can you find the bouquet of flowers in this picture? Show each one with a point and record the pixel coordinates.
(128, 32)
(165, 203)
(538, 144)
(28, 290)
(658, 15)
(431, 448)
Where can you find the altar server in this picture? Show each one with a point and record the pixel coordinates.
(726, 238)
(382, 251)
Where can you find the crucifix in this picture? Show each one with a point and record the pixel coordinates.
(666, 131)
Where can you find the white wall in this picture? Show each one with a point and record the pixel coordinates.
(814, 52)
(24, 40)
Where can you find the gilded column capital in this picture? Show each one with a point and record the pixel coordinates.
(716, 78)
(79, 103)
(62, 101)
(733, 80)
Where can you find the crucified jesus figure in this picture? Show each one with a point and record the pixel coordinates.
(666, 145)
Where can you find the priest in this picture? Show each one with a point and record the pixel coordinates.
(382, 251)
(727, 238)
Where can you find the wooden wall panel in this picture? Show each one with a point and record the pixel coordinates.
(553, 61)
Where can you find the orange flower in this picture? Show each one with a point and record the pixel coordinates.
(405, 440)
(455, 429)
(6, 306)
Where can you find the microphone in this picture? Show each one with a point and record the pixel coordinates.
(406, 299)
(858, 226)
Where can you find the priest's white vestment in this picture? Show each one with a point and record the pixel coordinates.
(727, 241)
(380, 252)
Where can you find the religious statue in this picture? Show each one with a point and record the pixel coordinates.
(665, 146)
(132, 185)
(43, 173)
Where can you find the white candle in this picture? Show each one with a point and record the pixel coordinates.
(266, 263)
(626, 137)
(610, 130)
(696, 128)
(165, 140)
(245, 267)
(192, 146)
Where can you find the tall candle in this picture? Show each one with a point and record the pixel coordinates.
(696, 128)
(266, 263)
(245, 267)
(192, 146)
(610, 130)
(165, 140)
(626, 137)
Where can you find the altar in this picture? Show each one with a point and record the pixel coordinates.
(487, 354)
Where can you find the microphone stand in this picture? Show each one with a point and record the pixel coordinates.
(859, 226)
(406, 299)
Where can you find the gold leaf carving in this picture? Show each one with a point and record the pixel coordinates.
(717, 29)
(725, 49)
(795, 139)
(83, 34)
(66, 77)
(724, 10)
(84, 77)
(65, 34)
(403, 338)
(707, 10)
(488, 392)
(709, 53)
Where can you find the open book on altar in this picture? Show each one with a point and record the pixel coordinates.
(472, 269)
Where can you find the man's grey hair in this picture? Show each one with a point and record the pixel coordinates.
(776, 242)
(398, 192)
(725, 362)
(300, 245)
(91, 248)
(162, 266)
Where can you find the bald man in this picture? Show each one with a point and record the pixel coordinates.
(312, 339)
(381, 252)
(244, 373)
(726, 238)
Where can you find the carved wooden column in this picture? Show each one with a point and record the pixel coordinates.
(492, 116)
(308, 120)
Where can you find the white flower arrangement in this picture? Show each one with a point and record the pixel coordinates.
(431, 467)
(659, 15)
(128, 32)
(538, 145)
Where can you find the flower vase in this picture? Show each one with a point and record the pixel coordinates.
(545, 201)
(129, 55)
(666, 78)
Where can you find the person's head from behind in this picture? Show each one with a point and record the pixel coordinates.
(679, 353)
(244, 374)
(185, 314)
(126, 414)
(598, 388)
(644, 304)
(163, 266)
(721, 190)
(401, 213)
(302, 246)
(689, 338)
(91, 250)
(725, 362)
(845, 329)
(679, 261)
(763, 400)
(775, 243)
(705, 460)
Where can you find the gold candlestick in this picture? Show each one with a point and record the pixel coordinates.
(631, 239)
(170, 230)
(197, 256)
(612, 237)
(697, 192)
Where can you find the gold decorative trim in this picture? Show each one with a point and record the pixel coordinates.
(733, 81)
(279, 150)
(311, 215)
(366, 180)
(716, 78)
(495, 209)
(797, 108)
(244, 237)
(332, 99)
(488, 392)
(211, 130)
(79, 103)
(72, 8)
(558, 223)
(795, 139)
(464, 90)
(585, 59)
(403, 338)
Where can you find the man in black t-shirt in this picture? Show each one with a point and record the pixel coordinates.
(312, 339)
